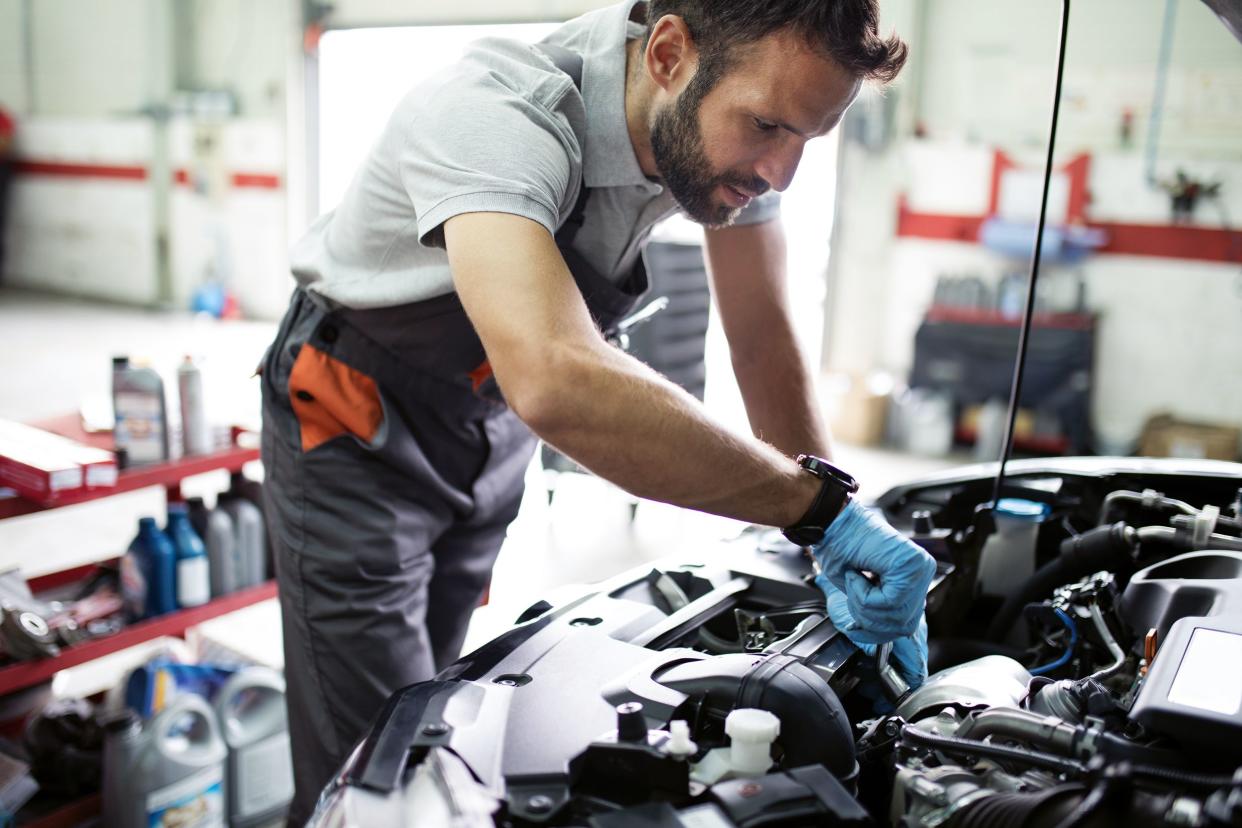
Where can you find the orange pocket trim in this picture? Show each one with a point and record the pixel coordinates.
(330, 399)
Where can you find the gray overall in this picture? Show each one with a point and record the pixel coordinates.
(384, 536)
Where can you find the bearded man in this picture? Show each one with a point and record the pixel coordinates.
(458, 303)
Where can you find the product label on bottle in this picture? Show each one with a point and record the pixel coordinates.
(193, 583)
(139, 426)
(264, 775)
(133, 587)
(197, 802)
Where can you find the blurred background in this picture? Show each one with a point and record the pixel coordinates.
(159, 157)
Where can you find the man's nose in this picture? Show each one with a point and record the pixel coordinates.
(778, 165)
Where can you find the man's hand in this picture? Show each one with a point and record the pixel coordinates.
(888, 605)
(909, 654)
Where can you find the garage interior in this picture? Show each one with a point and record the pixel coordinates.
(165, 155)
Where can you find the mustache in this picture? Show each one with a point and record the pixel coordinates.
(754, 187)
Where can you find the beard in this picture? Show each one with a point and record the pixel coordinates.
(677, 144)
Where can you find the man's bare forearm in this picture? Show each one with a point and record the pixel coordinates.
(603, 408)
(747, 267)
(631, 426)
(779, 393)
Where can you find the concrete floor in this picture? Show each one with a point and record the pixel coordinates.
(58, 360)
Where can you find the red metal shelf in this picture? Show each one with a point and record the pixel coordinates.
(28, 673)
(168, 474)
(973, 316)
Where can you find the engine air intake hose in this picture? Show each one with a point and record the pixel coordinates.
(1105, 547)
(814, 729)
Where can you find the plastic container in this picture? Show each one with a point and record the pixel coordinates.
(193, 569)
(215, 527)
(152, 556)
(195, 432)
(169, 771)
(141, 413)
(252, 490)
(248, 529)
(250, 708)
(1008, 558)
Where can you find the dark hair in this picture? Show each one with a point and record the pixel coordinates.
(845, 30)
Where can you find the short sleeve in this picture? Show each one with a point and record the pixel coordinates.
(474, 143)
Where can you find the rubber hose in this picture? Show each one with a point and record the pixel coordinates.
(1004, 810)
(1105, 547)
(950, 744)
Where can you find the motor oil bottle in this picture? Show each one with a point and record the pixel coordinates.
(216, 529)
(167, 771)
(250, 708)
(193, 570)
(252, 490)
(250, 534)
(140, 412)
(153, 554)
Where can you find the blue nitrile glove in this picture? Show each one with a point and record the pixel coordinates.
(892, 606)
(909, 654)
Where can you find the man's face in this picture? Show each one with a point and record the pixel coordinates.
(717, 151)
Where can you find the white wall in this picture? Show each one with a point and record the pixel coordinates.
(104, 67)
(993, 66)
(361, 13)
(1167, 326)
(12, 57)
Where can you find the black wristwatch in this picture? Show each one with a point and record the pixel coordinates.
(834, 493)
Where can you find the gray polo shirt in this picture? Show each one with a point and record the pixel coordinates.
(502, 130)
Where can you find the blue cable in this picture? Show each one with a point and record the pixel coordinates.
(1069, 650)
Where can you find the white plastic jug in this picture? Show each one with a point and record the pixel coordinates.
(251, 711)
(165, 772)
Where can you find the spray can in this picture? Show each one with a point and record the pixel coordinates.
(195, 432)
(216, 529)
(168, 771)
(250, 708)
(155, 559)
(140, 413)
(193, 579)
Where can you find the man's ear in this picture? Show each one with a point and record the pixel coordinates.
(671, 57)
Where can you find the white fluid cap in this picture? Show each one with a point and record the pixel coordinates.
(750, 725)
(679, 742)
(753, 732)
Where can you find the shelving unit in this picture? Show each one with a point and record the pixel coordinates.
(23, 674)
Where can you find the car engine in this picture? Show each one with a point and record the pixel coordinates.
(1086, 669)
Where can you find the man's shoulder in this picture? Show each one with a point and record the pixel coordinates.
(498, 69)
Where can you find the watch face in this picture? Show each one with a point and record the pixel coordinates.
(824, 470)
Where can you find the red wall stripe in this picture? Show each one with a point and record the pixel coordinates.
(1205, 244)
(66, 170)
(262, 181)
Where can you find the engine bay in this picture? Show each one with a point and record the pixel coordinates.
(1085, 657)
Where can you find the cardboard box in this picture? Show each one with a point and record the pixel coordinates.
(46, 467)
(1165, 436)
(860, 409)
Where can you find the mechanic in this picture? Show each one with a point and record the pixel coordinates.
(458, 298)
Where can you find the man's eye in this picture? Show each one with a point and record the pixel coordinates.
(763, 126)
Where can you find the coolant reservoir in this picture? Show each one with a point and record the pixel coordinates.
(751, 733)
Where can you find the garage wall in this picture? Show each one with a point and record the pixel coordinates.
(980, 81)
(994, 65)
(188, 100)
(358, 13)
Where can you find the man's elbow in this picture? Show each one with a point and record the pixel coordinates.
(540, 389)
